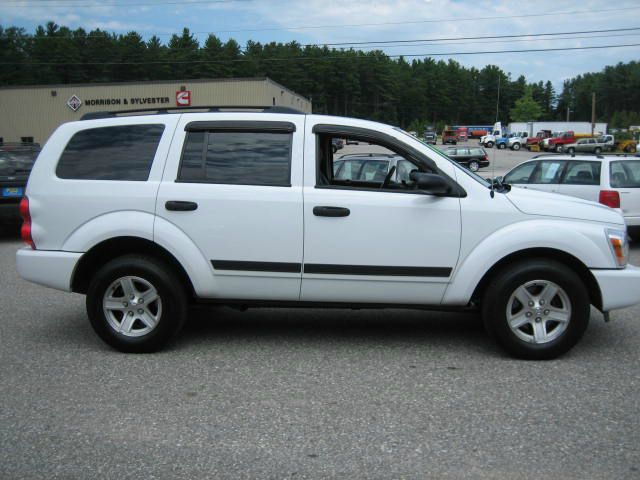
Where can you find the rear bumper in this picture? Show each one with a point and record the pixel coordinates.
(619, 288)
(45, 267)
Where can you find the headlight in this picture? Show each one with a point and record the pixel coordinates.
(619, 245)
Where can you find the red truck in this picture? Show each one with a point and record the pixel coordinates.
(557, 143)
(449, 136)
(540, 136)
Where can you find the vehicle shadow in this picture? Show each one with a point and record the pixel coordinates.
(209, 324)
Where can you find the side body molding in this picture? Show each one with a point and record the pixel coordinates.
(574, 238)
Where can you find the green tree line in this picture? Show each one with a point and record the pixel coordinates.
(365, 84)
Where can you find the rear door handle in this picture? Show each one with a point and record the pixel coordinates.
(331, 211)
(180, 206)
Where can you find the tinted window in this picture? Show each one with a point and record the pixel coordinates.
(521, 173)
(476, 151)
(110, 153)
(625, 174)
(237, 158)
(582, 173)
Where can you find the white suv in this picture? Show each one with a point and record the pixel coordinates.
(613, 180)
(145, 214)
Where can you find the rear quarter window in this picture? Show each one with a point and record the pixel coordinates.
(111, 153)
(625, 174)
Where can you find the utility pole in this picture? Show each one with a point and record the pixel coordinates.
(568, 113)
(593, 112)
(498, 99)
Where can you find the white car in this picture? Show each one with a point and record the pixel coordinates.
(148, 213)
(611, 180)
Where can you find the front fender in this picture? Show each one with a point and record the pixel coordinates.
(583, 240)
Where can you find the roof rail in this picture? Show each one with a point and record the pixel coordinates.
(589, 154)
(206, 108)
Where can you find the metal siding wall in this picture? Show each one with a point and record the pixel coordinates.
(34, 112)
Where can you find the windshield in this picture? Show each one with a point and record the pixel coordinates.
(473, 175)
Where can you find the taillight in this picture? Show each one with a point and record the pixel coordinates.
(25, 231)
(610, 198)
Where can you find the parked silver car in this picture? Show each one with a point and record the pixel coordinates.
(591, 145)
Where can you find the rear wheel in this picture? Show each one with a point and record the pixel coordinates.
(474, 166)
(597, 150)
(502, 146)
(559, 148)
(536, 309)
(571, 150)
(136, 304)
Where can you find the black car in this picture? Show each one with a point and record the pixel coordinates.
(16, 161)
(471, 157)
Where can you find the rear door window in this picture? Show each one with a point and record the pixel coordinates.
(111, 153)
(582, 173)
(237, 158)
(625, 174)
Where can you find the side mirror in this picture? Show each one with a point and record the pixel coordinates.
(430, 183)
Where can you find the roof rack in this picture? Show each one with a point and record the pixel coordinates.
(206, 108)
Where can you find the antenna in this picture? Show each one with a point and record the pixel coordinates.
(493, 163)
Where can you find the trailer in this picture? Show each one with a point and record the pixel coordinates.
(532, 128)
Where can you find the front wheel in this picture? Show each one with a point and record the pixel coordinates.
(489, 145)
(502, 146)
(474, 166)
(136, 304)
(516, 146)
(597, 150)
(571, 150)
(536, 309)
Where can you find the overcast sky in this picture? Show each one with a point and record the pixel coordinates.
(372, 20)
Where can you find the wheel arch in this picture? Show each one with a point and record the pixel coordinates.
(595, 295)
(114, 247)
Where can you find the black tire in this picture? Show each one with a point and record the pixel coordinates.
(489, 145)
(474, 166)
(497, 298)
(171, 291)
(597, 151)
(559, 149)
(571, 150)
(516, 146)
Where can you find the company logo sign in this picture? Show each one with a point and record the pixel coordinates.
(74, 103)
(183, 99)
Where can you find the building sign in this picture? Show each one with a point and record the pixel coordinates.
(183, 99)
(74, 103)
(127, 101)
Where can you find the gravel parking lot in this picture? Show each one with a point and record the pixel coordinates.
(308, 394)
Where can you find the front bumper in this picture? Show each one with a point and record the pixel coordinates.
(52, 269)
(619, 288)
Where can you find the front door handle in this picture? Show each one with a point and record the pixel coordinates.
(180, 206)
(331, 211)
